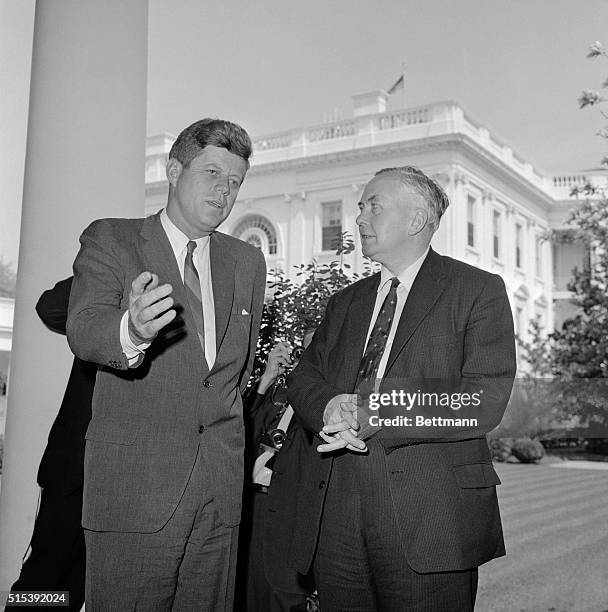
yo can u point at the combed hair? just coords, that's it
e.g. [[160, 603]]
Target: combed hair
[[435, 197], [215, 132]]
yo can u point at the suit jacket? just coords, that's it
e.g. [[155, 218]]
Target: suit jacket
[[150, 422], [61, 467], [455, 333]]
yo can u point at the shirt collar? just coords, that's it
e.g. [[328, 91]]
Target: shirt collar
[[177, 238], [406, 277]]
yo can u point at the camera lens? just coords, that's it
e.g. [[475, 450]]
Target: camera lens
[[298, 352], [278, 437]]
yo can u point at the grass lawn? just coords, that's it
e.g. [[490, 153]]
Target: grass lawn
[[556, 532]]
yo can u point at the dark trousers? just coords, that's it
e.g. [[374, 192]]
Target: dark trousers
[[57, 559], [360, 565], [256, 594], [187, 566]]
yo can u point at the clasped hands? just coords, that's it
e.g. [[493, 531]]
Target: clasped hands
[[341, 425], [150, 307]]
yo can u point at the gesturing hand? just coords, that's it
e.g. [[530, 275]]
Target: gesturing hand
[[340, 429], [147, 303]]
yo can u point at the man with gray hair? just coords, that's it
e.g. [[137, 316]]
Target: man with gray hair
[[169, 309], [408, 371]]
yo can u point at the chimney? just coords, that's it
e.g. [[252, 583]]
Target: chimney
[[370, 103]]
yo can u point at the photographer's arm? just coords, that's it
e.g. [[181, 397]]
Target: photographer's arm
[[52, 306]]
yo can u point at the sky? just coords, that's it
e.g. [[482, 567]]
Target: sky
[[515, 66]]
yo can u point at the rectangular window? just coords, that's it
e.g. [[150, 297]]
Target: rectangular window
[[538, 257], [518, 245], [496, 234], [471, 221], [332, 225]]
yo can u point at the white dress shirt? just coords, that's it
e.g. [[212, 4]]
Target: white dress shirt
[[202, 262], [406, 280]]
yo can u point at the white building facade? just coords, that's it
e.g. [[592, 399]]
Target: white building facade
[[304, 186]]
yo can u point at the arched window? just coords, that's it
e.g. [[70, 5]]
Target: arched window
[[259, 232]]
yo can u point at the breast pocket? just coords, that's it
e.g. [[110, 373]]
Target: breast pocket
[[242, 320]]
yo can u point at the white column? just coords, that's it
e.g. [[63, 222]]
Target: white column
[[457, 212], [85, 160], [16, 36]]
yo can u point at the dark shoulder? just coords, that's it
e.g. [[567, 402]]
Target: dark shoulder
[[456, 269], [240, 249], [367, 285], [114, 227]]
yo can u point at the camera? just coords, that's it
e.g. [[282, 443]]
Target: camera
[[297, 352], [272, 440]]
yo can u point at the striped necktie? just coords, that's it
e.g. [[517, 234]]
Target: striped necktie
[[368, 368], [192, 284]]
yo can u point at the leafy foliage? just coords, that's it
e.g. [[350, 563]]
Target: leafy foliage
[[576, 356], [299, 305], [527, 451]]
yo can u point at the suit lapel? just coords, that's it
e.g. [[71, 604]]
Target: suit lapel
[[160, 259], [358, 319], [223, 277], [159, 254], [428, 286]]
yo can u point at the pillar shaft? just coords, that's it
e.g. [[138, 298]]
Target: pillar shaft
[[85, 160]]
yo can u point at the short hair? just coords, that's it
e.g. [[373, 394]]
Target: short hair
[[435, 197], [215, 132]]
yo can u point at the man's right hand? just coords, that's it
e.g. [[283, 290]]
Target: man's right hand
[[340, 429], [278, 360], [150, 308]]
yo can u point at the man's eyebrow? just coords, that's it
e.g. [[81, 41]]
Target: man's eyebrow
[[212, 164]]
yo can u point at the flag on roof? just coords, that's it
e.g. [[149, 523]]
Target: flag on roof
[[399, 84]]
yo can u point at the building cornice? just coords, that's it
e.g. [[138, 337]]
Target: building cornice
[[451, 143]]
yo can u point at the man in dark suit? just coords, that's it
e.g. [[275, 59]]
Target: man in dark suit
[[404, 511], [170, 310], [57, 558]]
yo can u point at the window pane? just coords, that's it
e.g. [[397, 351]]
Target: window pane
[[518, 245], [470, 221], [332, 225], [496, 234], [331, 237]]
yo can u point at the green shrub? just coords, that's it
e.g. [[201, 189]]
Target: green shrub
[[500, 449], [526, 450]]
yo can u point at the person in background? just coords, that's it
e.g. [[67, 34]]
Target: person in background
[[274, 441], [57, 560]]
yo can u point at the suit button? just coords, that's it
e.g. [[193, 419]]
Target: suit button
[[322, 484], [201, 428], [206, 384]]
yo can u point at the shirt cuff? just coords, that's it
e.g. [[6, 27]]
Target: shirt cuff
[[133, 352]]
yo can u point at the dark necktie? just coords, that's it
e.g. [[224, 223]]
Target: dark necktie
[[368, 368], [192, 284]]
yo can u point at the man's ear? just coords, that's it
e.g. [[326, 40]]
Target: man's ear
[[174, 169], [419, 221]]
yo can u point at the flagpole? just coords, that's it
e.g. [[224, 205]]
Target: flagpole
[[403, 88]]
